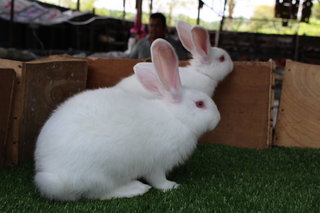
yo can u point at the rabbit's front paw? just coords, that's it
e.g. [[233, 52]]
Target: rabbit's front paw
[[166, 186], [132, 189]]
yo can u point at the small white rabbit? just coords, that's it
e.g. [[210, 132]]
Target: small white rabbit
[[207, 68], [99, 142]]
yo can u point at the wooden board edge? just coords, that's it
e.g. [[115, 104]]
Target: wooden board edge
[[271, 111], [15, 118], [276, 130], [8, 121]]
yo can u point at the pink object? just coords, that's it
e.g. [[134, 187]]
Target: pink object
[[138, 28]]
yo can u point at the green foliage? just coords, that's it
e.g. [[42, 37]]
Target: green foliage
[[87, 5], [114, 13], [216, 179], [63, 3], [263, 14], [312, 28], [262, 21], [316, 11]]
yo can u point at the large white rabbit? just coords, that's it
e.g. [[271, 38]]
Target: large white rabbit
[[208, 66], [99, 142]]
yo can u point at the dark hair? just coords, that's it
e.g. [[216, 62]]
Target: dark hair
[[159, 16]]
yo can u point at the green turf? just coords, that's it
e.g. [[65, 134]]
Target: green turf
[[216, 179]]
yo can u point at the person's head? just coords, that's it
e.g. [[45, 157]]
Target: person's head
[[157, 26]]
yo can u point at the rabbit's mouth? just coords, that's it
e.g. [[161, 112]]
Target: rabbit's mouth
[[207, 75]]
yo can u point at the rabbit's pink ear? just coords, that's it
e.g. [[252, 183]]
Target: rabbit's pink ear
[[201, 40], [166, 63], [147, 76], [184, 33]]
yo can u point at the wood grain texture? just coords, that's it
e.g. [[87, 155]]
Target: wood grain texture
[[7, 82], [298, 122], [244, 100], [16, 112], [108, 71], [46, 85], [40, 86]]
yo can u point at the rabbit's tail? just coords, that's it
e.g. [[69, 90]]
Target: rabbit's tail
[[52, 186]]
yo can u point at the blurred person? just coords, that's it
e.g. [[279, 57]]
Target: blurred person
[[157, 29]]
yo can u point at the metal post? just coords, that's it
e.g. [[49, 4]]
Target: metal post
[[78, 5], [11, 25], [223, 17], [151, 6], [139, 8], [200, 5], [296, 47], [217, 37], [198, 17], [124, 10]]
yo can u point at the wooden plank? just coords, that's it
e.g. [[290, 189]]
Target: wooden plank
[[40, 86], [108, 71], [7, 82], [298, 122], [16, 112], [46, 84], [244, 100]]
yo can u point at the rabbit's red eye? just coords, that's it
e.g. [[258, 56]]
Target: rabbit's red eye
[[200, 104], [221, 59]]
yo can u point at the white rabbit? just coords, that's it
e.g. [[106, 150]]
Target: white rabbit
[[207, 68], [99, 142], [209, 65]]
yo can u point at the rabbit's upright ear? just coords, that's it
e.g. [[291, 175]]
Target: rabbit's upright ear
[[184, 33], [166, 63], [201, 40], [148, 77]]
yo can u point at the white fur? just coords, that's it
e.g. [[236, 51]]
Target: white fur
[[203, 73], [97, 143], [205, 70], [206, 76]]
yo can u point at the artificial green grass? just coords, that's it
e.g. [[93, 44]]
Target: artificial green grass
[[216, 179]]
